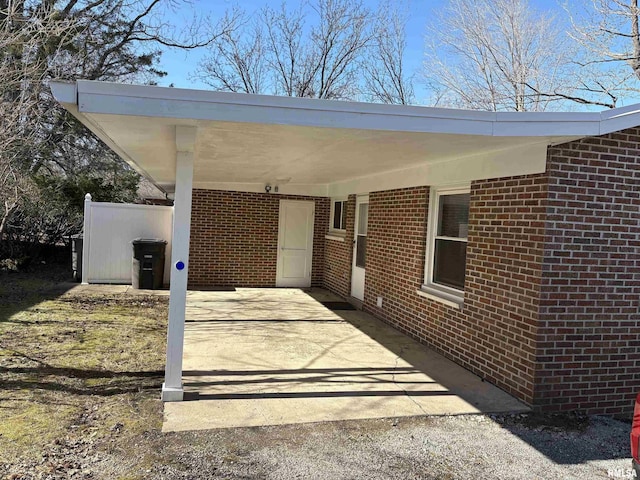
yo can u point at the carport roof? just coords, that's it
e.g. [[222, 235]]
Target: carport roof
[[321, 147]]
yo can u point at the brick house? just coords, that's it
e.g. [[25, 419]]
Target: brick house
[[508, 242]]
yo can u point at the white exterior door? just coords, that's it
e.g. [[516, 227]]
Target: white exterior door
[[360, 247], [295, 243]]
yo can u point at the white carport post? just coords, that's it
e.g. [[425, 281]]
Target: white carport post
[[172, 390]]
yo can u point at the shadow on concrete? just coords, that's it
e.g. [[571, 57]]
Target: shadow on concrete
[[219, 288], [312, 375], [262, 320], [342, 393], [283, 344], [539, 430], [341, 371]]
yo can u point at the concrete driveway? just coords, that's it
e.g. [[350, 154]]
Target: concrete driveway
[[257, 357]]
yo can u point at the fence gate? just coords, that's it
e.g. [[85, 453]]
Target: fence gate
[[109, 229]]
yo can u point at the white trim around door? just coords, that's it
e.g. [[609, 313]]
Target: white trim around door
[[359, 247], [295, 243]]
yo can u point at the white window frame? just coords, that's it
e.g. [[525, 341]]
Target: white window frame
[[448, 294], [339, 231]]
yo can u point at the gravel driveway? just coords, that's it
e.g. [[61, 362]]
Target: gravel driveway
[[464, 447], [474, 447]]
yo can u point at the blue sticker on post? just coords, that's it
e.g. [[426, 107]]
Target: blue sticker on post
[[180, 265]]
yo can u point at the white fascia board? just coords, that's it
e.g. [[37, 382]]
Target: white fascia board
[[616, 112], [619, 119], [186, 104], [540, 124], [189, 111], [192, 105], [65, 93], [209, 96]]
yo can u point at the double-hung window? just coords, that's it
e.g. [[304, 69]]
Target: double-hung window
[[447, 242], [338, 215]]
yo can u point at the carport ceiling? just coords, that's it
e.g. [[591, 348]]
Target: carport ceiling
[[232, 152]]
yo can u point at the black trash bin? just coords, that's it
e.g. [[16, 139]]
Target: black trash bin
[[147, 269], [76, 256]]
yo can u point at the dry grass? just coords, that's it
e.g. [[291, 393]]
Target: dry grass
[[76, 368]]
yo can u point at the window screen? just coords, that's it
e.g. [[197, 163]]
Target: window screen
[[339, 215], [450, 242]]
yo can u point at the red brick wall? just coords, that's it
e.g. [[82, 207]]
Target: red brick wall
[[494, 333], [338, 257], [234, 238], [589, 338], [504, 269]]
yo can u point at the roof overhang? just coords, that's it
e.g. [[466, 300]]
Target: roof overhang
[[321, 147]]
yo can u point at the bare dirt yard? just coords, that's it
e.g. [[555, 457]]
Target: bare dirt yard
[[79, 398]]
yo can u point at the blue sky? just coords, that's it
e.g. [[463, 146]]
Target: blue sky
[[180, 64]]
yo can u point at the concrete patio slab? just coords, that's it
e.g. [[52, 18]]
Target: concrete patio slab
[[257, 357]]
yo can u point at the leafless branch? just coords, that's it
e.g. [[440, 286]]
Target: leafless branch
[[385, 76], [496, 55], [556, 95], [335, 49], [68, 39], [607, 32]]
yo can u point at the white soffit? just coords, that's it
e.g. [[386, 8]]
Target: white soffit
[[321, 147]]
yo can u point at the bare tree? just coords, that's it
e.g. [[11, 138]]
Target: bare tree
[[22, 74], [44, 152], [14, 185], [342, 34], [385, 75], [609, 36], [315, 50], [237, 59], [496, 55], [288, 50]]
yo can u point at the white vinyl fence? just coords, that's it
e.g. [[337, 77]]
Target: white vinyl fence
[[109, 229]]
